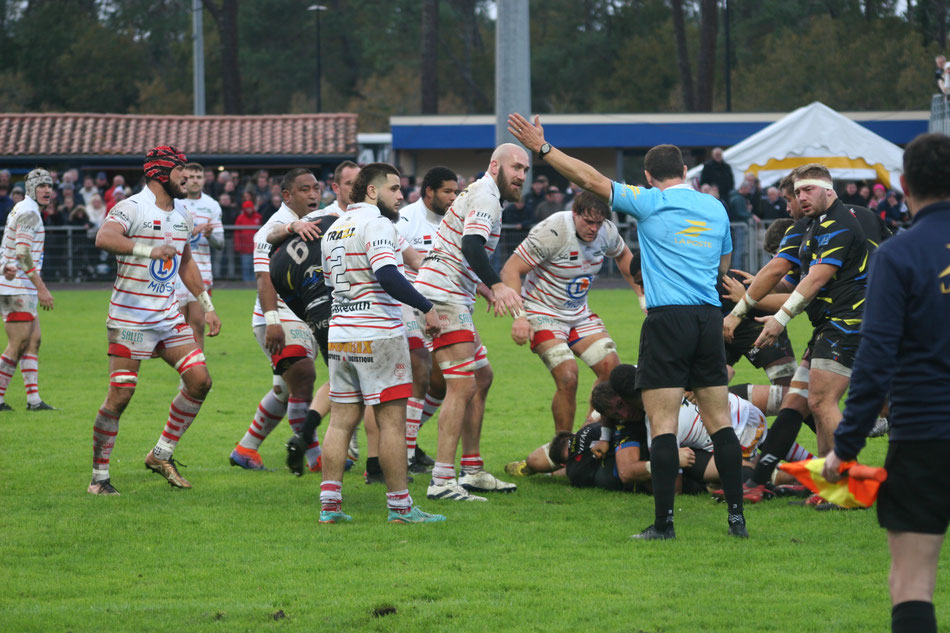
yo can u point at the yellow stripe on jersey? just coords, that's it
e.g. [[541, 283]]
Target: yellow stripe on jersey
[[827, 224]]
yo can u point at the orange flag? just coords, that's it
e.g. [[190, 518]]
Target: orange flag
[[857, 489]]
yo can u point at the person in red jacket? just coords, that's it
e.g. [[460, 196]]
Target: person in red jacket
[[244, 239]]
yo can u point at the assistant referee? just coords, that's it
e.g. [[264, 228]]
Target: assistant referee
[[685, 246], [905, 351]]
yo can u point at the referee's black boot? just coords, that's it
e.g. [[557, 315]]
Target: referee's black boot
[[652, 533], [737, 527]]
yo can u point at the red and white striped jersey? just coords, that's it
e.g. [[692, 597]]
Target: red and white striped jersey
[[357, 245], [563, 266], [262, 263], [445, 276], [691, 433], [24, 226], [143, 296], [204, 210], [418, 226]]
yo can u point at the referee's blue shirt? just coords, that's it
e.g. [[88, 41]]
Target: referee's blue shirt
[[683, 234]]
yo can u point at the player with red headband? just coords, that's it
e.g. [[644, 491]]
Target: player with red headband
[[150, 239]]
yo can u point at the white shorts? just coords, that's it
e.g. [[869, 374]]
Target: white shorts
[[545, 327], [298, 341], [371, 372], [144, 344], [753, 433], [456, 322], [18, 307], [414, 332]]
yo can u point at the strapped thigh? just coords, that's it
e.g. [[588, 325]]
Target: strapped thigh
[[598, 351], [123, 379], [464, 368], [556, 354], [195, 358]]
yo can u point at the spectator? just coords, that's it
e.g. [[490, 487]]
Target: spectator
[[88, 190], [865, 194], [102, 182], [96, 211], [17, 194], [230, 188], [772, 206], [553, 202], [715, 193], [406, 185], [740, 213], [755, 188], [118, 182], [413, 196], [851, 195], [891, 211], [209, 182], [944, 82], [941, 62], [5, 178], [6, 202], [537, 194], [518, 215], [244, 238], [118, 195], [270, 207], [880, 194], [261, 185], [229, 212], [67, 204], [79, 217], [218, 184], [717, 171]]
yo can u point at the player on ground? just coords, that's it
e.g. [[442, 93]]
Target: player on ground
[[149, 238], [561, 257], [368, 353], [418, 224], [23, 287], [459, 259], [282, 336], [208, 233]]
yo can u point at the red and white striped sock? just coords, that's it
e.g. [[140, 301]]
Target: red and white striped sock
[[429, 407], [7, 367], [30, 370], [269, 413], [472, 463], [104, 430], [442, 472], [181, 414], [413, 417], [798, 453], [399, 501], [331, 496], [297, 413]]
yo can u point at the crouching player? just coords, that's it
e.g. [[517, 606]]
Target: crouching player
[[561, 258], [368, 352], [150, 240]]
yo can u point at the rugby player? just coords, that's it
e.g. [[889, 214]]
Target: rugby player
[[459, 259], [282, 336], [418, 223], [561, 257], [150, 238], [368, 352], [24, 239], [686, 247], [208, 233]]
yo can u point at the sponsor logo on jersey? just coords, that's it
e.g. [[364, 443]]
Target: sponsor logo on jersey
[[341, 308], [352, 347], [195, 239], [692, 233], [163, 274], [573, 256], [401, 372], [427, 240], [578, 287], [157, 225]]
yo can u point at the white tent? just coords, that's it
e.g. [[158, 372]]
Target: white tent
[[815, 134]]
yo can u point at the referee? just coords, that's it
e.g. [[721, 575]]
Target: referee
[[905, 351], [685, 246]]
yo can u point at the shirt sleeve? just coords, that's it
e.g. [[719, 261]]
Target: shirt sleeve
[[876, 360], [540, 245], [379, 237], [791, 244], [727, 241], [262, 249], [615, 243], [217, 228], [482, 219], [26, 227], [632, 200], [125, 213]]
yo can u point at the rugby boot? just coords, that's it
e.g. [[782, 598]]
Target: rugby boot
[[246, 458], [737, 526], [102, 487], [40, 406], [517, 469], [296, 451], [422, 458], [652, 533], [417, 468], [5, 407], [167, 468], [450, 490], [415, 515], [331, 516], [791, 490], [484, 481], [751, 492]]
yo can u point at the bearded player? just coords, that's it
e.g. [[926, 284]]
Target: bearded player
[[22, 288], [150, 239], [561, 258], [208, 233]]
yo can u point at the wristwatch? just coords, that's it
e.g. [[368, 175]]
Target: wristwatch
[[544, 150]]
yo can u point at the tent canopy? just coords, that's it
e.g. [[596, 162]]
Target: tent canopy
[[815, 134]]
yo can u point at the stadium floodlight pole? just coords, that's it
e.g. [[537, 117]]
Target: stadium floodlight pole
[[198, 46], [728, 64], [512, 67], [318, 9]]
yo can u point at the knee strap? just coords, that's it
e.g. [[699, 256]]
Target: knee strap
[[547, 449], [124, 379], [801, 376], [554, 356], [774, 403], [281, 392], [481, 357], [784, 370], [194, 359], [598, 351], [464, 368]]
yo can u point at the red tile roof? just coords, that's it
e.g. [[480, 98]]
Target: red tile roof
[[119, 135]]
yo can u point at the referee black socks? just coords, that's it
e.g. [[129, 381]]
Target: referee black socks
[[913, 616], [728, 455], [664, 466]]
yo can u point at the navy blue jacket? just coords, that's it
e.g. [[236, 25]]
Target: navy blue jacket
[[905, 338]]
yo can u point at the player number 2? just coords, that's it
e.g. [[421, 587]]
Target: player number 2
[[337, 269]]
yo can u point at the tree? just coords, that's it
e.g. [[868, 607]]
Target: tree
[[225, 14], [429, 75], [700, 98]]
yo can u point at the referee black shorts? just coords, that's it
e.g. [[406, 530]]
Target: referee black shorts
[[682, 346], [916, 495]]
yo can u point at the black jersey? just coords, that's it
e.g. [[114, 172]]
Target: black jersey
[[837, 238], [584, 470], [790, 246], [873, 225], [296, 270]]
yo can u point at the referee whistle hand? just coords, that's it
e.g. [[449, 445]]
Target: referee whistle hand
[[274, 339], [213, 322], [832, 465]]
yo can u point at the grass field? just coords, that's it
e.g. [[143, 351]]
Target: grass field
[[242, 551]]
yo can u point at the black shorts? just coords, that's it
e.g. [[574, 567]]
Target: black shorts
[[831, 347], [682, 346], [916, 495], [319, 321], [743, 345]]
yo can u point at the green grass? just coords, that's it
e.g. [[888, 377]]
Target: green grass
[[242, 549]]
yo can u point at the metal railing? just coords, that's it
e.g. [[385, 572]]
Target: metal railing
[[71, 253], [939, 115]]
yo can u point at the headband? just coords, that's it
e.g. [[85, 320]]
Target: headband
[[814, 182], [161, 160]]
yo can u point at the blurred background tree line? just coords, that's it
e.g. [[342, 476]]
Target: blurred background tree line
[[401, 57]]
